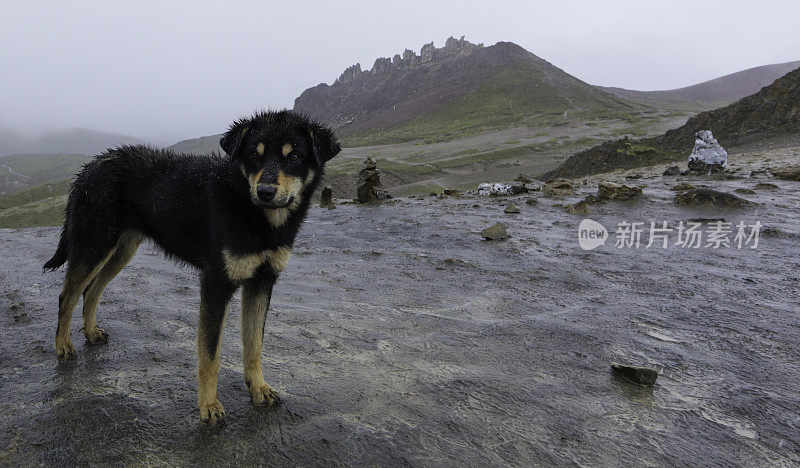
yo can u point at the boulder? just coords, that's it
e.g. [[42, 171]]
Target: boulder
[[369, 188], [495, 232], [511, 209], [791, 172], [640, 375], [326, 197], [557, 188], [612, 191], [578, 208], [708, 156], [704, 196]]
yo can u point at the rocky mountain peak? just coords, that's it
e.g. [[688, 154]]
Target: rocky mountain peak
[[409, 59]]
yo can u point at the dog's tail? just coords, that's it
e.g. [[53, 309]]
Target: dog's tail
[[60, 257]]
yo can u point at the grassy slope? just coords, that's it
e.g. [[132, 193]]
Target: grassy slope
[[42, 205], [37, 169]]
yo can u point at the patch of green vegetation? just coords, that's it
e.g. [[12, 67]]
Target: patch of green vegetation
[[40, 192], [513, 142], [636, 149], [35, 169], [47, 212]]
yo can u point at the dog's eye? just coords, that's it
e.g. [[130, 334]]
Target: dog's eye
[[294, 157]]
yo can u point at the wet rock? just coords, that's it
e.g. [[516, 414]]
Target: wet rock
[[708, 156], [787, 172], [704, 196], [633, 177], [452, 193], [683, 186], [369, 188], [745, 191], [511, 209], [495, 232], [612, 191], [761, 173], [579, 208], [766, 186], [494, 189], [531, 201], [593, 200], [523, 179], [673, 171], [557, 188], [640, 375], [326, 197]]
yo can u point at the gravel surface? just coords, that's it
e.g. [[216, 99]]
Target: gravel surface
[[399, 337]]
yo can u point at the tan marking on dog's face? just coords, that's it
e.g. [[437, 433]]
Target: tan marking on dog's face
[[260, 149], [286, 149], [310, 177]]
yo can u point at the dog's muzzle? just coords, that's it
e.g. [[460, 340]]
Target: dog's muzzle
[[266, 195]]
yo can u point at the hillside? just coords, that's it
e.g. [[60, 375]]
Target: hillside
[[20, 171], [459, 89], [772, 112], [74, 140], [710, 94]]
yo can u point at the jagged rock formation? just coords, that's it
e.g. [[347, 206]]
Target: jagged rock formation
[[395, 91], [772, 112]]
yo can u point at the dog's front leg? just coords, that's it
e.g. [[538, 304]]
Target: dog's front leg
[[215, 292], [256, 294]]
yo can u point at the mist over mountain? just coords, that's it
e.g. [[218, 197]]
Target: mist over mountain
[[70, 141]]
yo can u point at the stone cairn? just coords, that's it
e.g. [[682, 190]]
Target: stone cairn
[[369, 188], [708, 156]]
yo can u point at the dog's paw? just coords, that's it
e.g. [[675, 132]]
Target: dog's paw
[[96, 336], [65, 351], [212, 413], [263, 394]]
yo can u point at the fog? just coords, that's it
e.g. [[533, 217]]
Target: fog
[[173, 70]]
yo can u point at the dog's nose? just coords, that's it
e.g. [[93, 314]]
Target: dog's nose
[[266, 192]]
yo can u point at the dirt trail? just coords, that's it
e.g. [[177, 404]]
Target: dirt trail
[[398, 337]]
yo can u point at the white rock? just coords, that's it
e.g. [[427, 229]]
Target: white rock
[[708, 150], [494, 188]]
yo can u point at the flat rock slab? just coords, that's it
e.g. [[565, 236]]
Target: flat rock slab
[[704, 196], [640, 375]]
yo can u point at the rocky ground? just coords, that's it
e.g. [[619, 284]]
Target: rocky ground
[[399, 337]]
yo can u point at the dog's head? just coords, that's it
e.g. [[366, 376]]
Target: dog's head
[[281, 155]]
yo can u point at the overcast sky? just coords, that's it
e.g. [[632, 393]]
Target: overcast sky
[[179, 69]]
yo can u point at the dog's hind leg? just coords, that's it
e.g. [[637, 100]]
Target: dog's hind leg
[[256, 294], [215, 292], [79, 274], [126, 248]]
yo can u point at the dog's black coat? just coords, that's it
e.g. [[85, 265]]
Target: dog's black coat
[[196, 207]]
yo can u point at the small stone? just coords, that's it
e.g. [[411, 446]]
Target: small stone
[[745, 191], [759, 174], [612, 191], [452, 193], [633, 177], [579, 208], [593, 200], [640, 375], [495, 232], [557, 188], [523, 179], [531, 201], [683, 186], [791, 172], [703, 196], [766, 186], [673, 171], [511, 209]]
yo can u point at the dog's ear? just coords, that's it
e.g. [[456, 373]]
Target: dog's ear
[[323, 143], [232, 140]]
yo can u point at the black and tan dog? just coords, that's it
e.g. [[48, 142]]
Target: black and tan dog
[[234, 217]]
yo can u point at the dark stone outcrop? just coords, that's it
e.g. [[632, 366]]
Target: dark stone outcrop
[[369, 188]]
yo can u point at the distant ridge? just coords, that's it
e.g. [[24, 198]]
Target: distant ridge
[[69, 141], [717, 92], [774, 111]]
